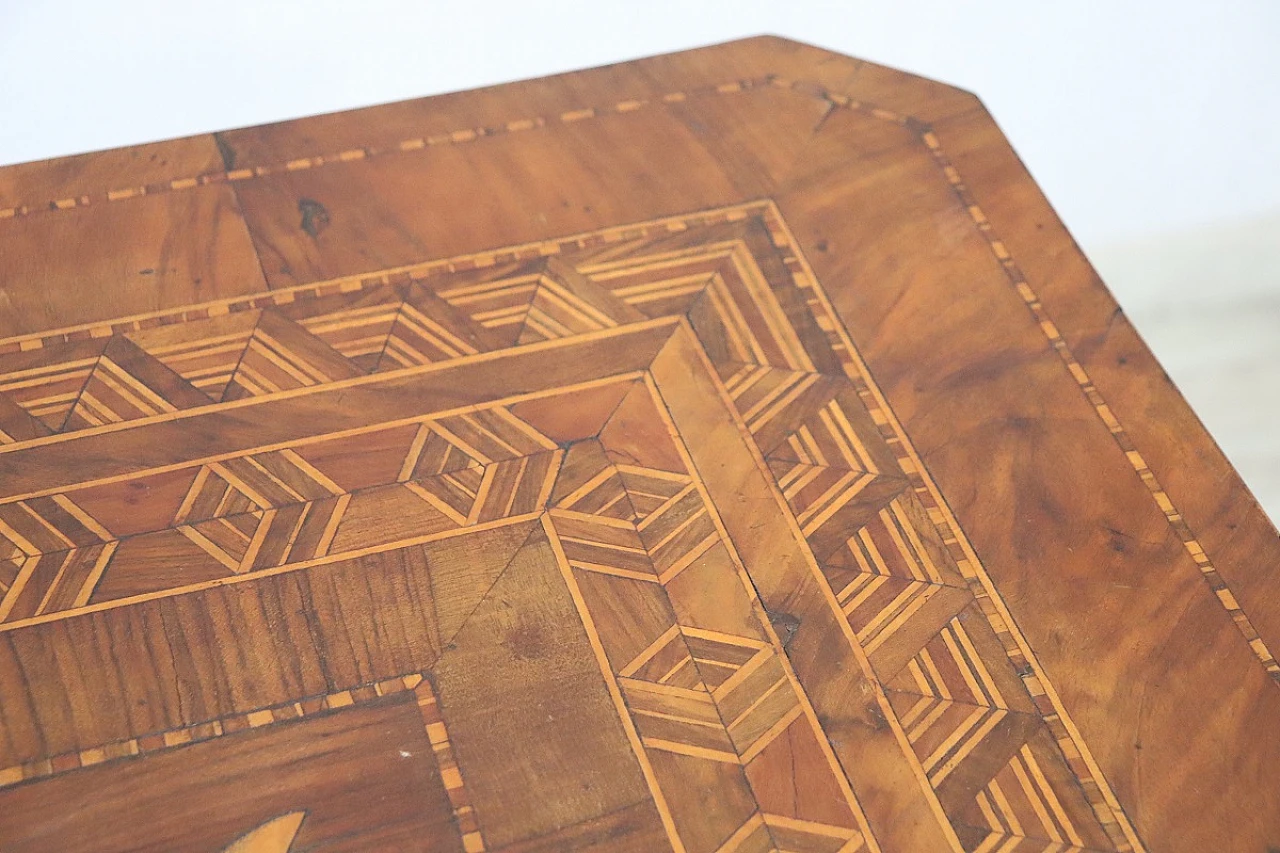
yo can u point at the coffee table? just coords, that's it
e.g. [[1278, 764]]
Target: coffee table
[[723, 451]]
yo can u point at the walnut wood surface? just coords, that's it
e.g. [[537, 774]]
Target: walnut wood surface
[[724, 451]]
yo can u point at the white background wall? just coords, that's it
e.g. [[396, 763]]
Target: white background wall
[[1153, 127]]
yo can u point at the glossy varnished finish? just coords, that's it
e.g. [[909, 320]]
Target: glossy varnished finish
[[722, 451]]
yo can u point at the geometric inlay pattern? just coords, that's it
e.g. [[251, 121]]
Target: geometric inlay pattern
[[687, 385]]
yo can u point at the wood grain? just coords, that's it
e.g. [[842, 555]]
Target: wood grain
[[720, 451], [368, 775]]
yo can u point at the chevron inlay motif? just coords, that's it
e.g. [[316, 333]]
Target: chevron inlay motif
[[460, 428], [702, 701], [266, 509]]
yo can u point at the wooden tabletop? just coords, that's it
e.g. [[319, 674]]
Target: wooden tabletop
[[724, 451]]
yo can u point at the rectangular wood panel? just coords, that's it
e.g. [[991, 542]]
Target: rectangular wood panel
[[360, 779]]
